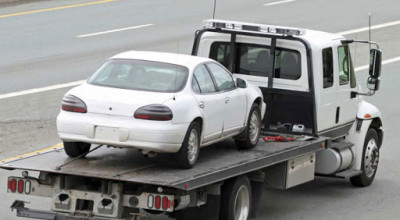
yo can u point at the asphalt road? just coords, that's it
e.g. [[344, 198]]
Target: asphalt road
[[44, 43]]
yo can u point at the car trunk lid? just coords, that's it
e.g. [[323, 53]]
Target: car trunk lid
[[115, 101]]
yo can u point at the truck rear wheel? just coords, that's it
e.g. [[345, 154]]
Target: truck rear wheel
[[369, 164], [252, 132], [75, 149], [189, 152], [236, 199]]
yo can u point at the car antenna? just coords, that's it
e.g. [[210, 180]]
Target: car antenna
[[369, 29], [176, 69], [215, 6]]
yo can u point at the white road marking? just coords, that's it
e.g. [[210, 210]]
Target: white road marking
[[384, 62], [42, 89], [367, 28], [280, 2], [112, 31]]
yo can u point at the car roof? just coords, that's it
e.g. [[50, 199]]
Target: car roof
[[173, 58]]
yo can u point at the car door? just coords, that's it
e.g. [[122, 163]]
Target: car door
[[235, 99], [211, 103]]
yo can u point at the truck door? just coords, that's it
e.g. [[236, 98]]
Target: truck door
[[327, 97], [347, 104], [210, 103]]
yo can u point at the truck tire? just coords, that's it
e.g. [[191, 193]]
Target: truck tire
[[251, 134], [236, 199], [369, 164], [76, 149], [189, 151]]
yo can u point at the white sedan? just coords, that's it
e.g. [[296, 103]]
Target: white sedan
[[160, 102]]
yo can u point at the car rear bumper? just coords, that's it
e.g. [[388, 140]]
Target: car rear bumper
[[120, 131]]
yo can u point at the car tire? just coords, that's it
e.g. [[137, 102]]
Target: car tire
[[236, 199], [76, 149], [253, 129], [189, 151], [369, 164]]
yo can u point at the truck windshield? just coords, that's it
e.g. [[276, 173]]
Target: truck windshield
[[140, 75]]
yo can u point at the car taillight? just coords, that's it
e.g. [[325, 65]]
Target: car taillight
[[71, 103], [155, 112]]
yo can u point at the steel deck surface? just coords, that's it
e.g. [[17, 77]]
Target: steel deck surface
[[215, 163]]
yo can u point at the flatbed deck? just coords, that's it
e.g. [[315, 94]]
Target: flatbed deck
[[216, 163]]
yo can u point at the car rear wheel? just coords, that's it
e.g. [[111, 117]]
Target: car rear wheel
[[252, 131], [76, 149], [189, 152]]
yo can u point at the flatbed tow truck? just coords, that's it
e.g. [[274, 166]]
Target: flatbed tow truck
[[227, 183]]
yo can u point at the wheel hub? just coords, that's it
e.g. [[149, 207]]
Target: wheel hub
[[193, 145], [242, 204], [254, 127], [371, 158]]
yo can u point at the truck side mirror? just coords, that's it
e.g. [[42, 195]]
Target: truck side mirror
[[373, 83], [241, 83], [375, 63]]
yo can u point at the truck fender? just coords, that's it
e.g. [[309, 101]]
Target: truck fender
[[367, 110]]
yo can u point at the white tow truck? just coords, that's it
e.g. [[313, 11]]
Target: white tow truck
[[314, 105]]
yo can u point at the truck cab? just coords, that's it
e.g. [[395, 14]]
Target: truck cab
[[307, 76]]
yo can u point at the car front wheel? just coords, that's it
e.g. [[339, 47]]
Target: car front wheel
[[252, 132], [189, 152], [76, 149]]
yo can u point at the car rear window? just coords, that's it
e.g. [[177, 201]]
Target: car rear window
[[140, 75]]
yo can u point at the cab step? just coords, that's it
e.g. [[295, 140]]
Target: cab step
[[348, 173]]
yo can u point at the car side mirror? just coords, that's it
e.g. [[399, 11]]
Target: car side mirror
[[241, 83], [373, 83], [375, 63]]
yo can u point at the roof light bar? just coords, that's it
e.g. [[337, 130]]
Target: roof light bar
[[252, 27]]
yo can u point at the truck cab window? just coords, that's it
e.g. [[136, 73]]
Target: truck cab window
[[220, 51], [327, 62], [346, 69], [256, 60], [287, 64]]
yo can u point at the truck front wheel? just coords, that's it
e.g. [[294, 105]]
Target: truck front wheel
[[76, 149], [236, 199], [370, 160]]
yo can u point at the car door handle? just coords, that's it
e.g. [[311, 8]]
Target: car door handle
[[201, 104], [227, 99]]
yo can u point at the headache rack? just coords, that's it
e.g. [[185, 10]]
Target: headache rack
[[252, 27]]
